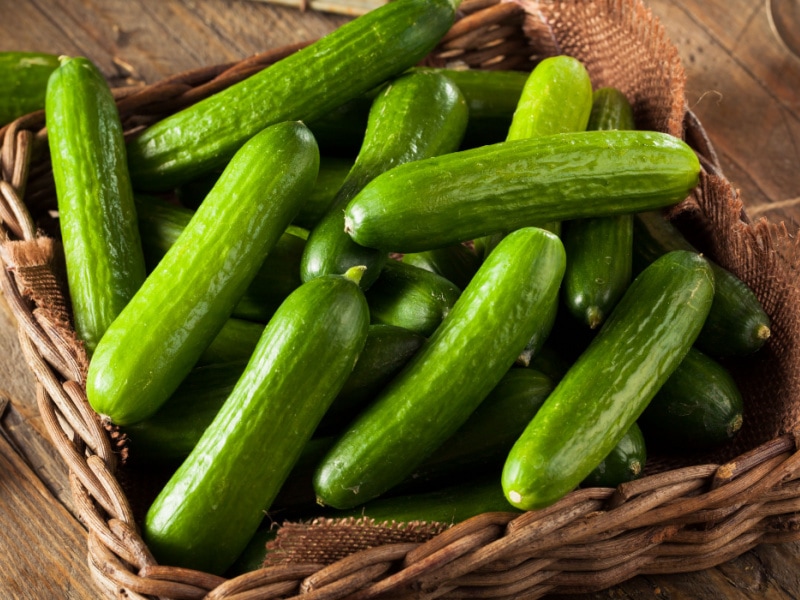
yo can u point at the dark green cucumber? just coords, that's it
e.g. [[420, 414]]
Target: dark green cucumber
[[254, 554], [471, 193], [415, 116], [737, 324], [454, 370], [604, 392], [456, 263], [599, 265], [160, 224], [235, 341], [215, 501], [550, 362], [185, 301], [698, 408], [412, 298], [625, 462], [97, 216], [305, 85], [23, 79]]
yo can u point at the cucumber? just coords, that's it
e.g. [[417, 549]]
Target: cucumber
[[471, 193], [254, 554], [456, 263], [235, 341], [604, 392], [550, 362], [97, 216], [412, 298], [23, 78], [415, 116], [160, 224], [305, 85], [625, 462], [737, 324], [599, 267], [454, 370], [214, 503], [698, 408], [185, 301]]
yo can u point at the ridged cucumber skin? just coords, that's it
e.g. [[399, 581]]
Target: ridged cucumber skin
[[471, 193], [604, 392], [160, 224], [737, 324], [23, 78], [412, 298], [698, 408], [599, 267], [624, 463], [97, 216], [185, 301], [450, 375], [305, 85], [215, 501], [456, 263], [415, 116]]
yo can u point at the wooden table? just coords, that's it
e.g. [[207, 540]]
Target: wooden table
[[742, 83]]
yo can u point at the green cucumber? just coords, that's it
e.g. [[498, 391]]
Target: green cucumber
[[454, 370], [471, 193], [412, 298], [604, 392], [737, 324], [599, 265], [160, 224], [550, 362], [23, 79], [208, 511], [185, 301], [97, 216], [235, 341], [625, 462], [698, 408], [254, 554], [415, 116], [305, 85], [456, 263]]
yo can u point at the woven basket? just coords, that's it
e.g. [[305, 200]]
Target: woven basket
[[687, 516]]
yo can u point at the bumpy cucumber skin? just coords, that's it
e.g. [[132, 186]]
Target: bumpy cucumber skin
[[305, 85], [456, 263], [472, 193], [23, 79], [599, 268], [97, 216], [737, 324], [213, 504], [416, 116], [186, 300], [447, 379], [604, 392], [624, 463], [698, 408], [412, 298]]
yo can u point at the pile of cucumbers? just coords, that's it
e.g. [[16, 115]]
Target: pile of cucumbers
[[480, 309]]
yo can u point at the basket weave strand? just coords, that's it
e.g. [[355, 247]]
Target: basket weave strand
[[678, 520]]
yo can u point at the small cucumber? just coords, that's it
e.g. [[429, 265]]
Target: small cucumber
[[235, 341], [23, 79], [305, 85], [160, 224], [599, 265], [604, 392], [412, 298], [214, 503], [737, 324], [625, 462], [254, 554], [456, 263], [415, 116], [471, 193], [97, 216], [698, 408], [185, 301], [452, 373]]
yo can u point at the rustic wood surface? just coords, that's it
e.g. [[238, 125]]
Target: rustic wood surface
[[742, 83]]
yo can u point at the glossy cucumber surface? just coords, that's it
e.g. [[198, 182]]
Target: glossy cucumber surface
[[23, 78], [604, 392], [185, 301], [97, 216], [452, 373]]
